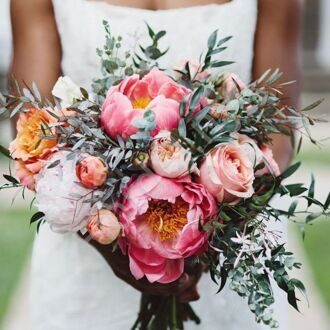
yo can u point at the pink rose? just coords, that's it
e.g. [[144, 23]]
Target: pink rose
[[103, 226], [195, 68], [228, 88], [168, 158], [161, 220], [271, 165], [250, 147], [130, 99], [92, 172], [227, 172]]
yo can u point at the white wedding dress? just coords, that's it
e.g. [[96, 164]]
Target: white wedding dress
[[73, 288]]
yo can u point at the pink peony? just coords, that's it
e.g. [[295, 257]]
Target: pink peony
[[168, 158], [271, 165], [103, 226], [227, 172], [161, 220], [130, 99], [92, 172], [228, 88]]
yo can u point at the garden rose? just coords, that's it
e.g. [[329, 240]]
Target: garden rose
[[161, 217], [250, 147], [103, 226], [130, 99], [169, 158], [195, 69], [271, 165], [227, 172], [92, 171], [57, 195], [67, 91], [228, 88], [27, 143]]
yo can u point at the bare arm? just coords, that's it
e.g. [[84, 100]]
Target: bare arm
[[36, 44], [278, 45]]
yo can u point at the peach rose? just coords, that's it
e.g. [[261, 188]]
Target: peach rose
[[228, 88], [27, 144], [168, 158], [227, 172], [103, 226], [92, 172]]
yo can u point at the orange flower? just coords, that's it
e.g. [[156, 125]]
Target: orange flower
[[28, 143]]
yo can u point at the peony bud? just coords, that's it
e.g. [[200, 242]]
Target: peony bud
[[142, 159], [103, 226], [92, 172]]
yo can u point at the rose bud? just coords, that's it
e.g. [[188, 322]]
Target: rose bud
[[92, 172], [218, 111], [142, 159], [103, 226], [168, 158]]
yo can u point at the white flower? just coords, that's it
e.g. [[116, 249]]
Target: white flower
[[168, 158], [67, 91], [60, 196]]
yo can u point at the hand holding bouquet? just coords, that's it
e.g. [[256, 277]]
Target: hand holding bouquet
[[169, 169]]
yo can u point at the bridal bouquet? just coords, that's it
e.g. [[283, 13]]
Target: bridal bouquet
[[171, 167]]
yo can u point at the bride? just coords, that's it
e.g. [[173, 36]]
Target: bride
[[74, 286]]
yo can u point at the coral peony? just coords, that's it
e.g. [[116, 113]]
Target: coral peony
[[168, 158], [130, 99], [161, 220], [227, 172], [27, 143], [61, 198], [103, 226], [92, 171]]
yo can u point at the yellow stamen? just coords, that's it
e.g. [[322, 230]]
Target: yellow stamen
[[141, 103], [167, 219]]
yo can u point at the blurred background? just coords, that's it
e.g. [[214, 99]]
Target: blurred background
[[16, 236]]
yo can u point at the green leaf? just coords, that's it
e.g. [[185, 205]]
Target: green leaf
[[36, 217], [195, 99], [212, 39], [5, 152], [159, 35], [182, 128], [218, 64], [11, 179], [293, 207], [311, 217], [150, 31], [327, 202], [292, 169], [313, 105], [223, 41], [311, 190], [16, 110]]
